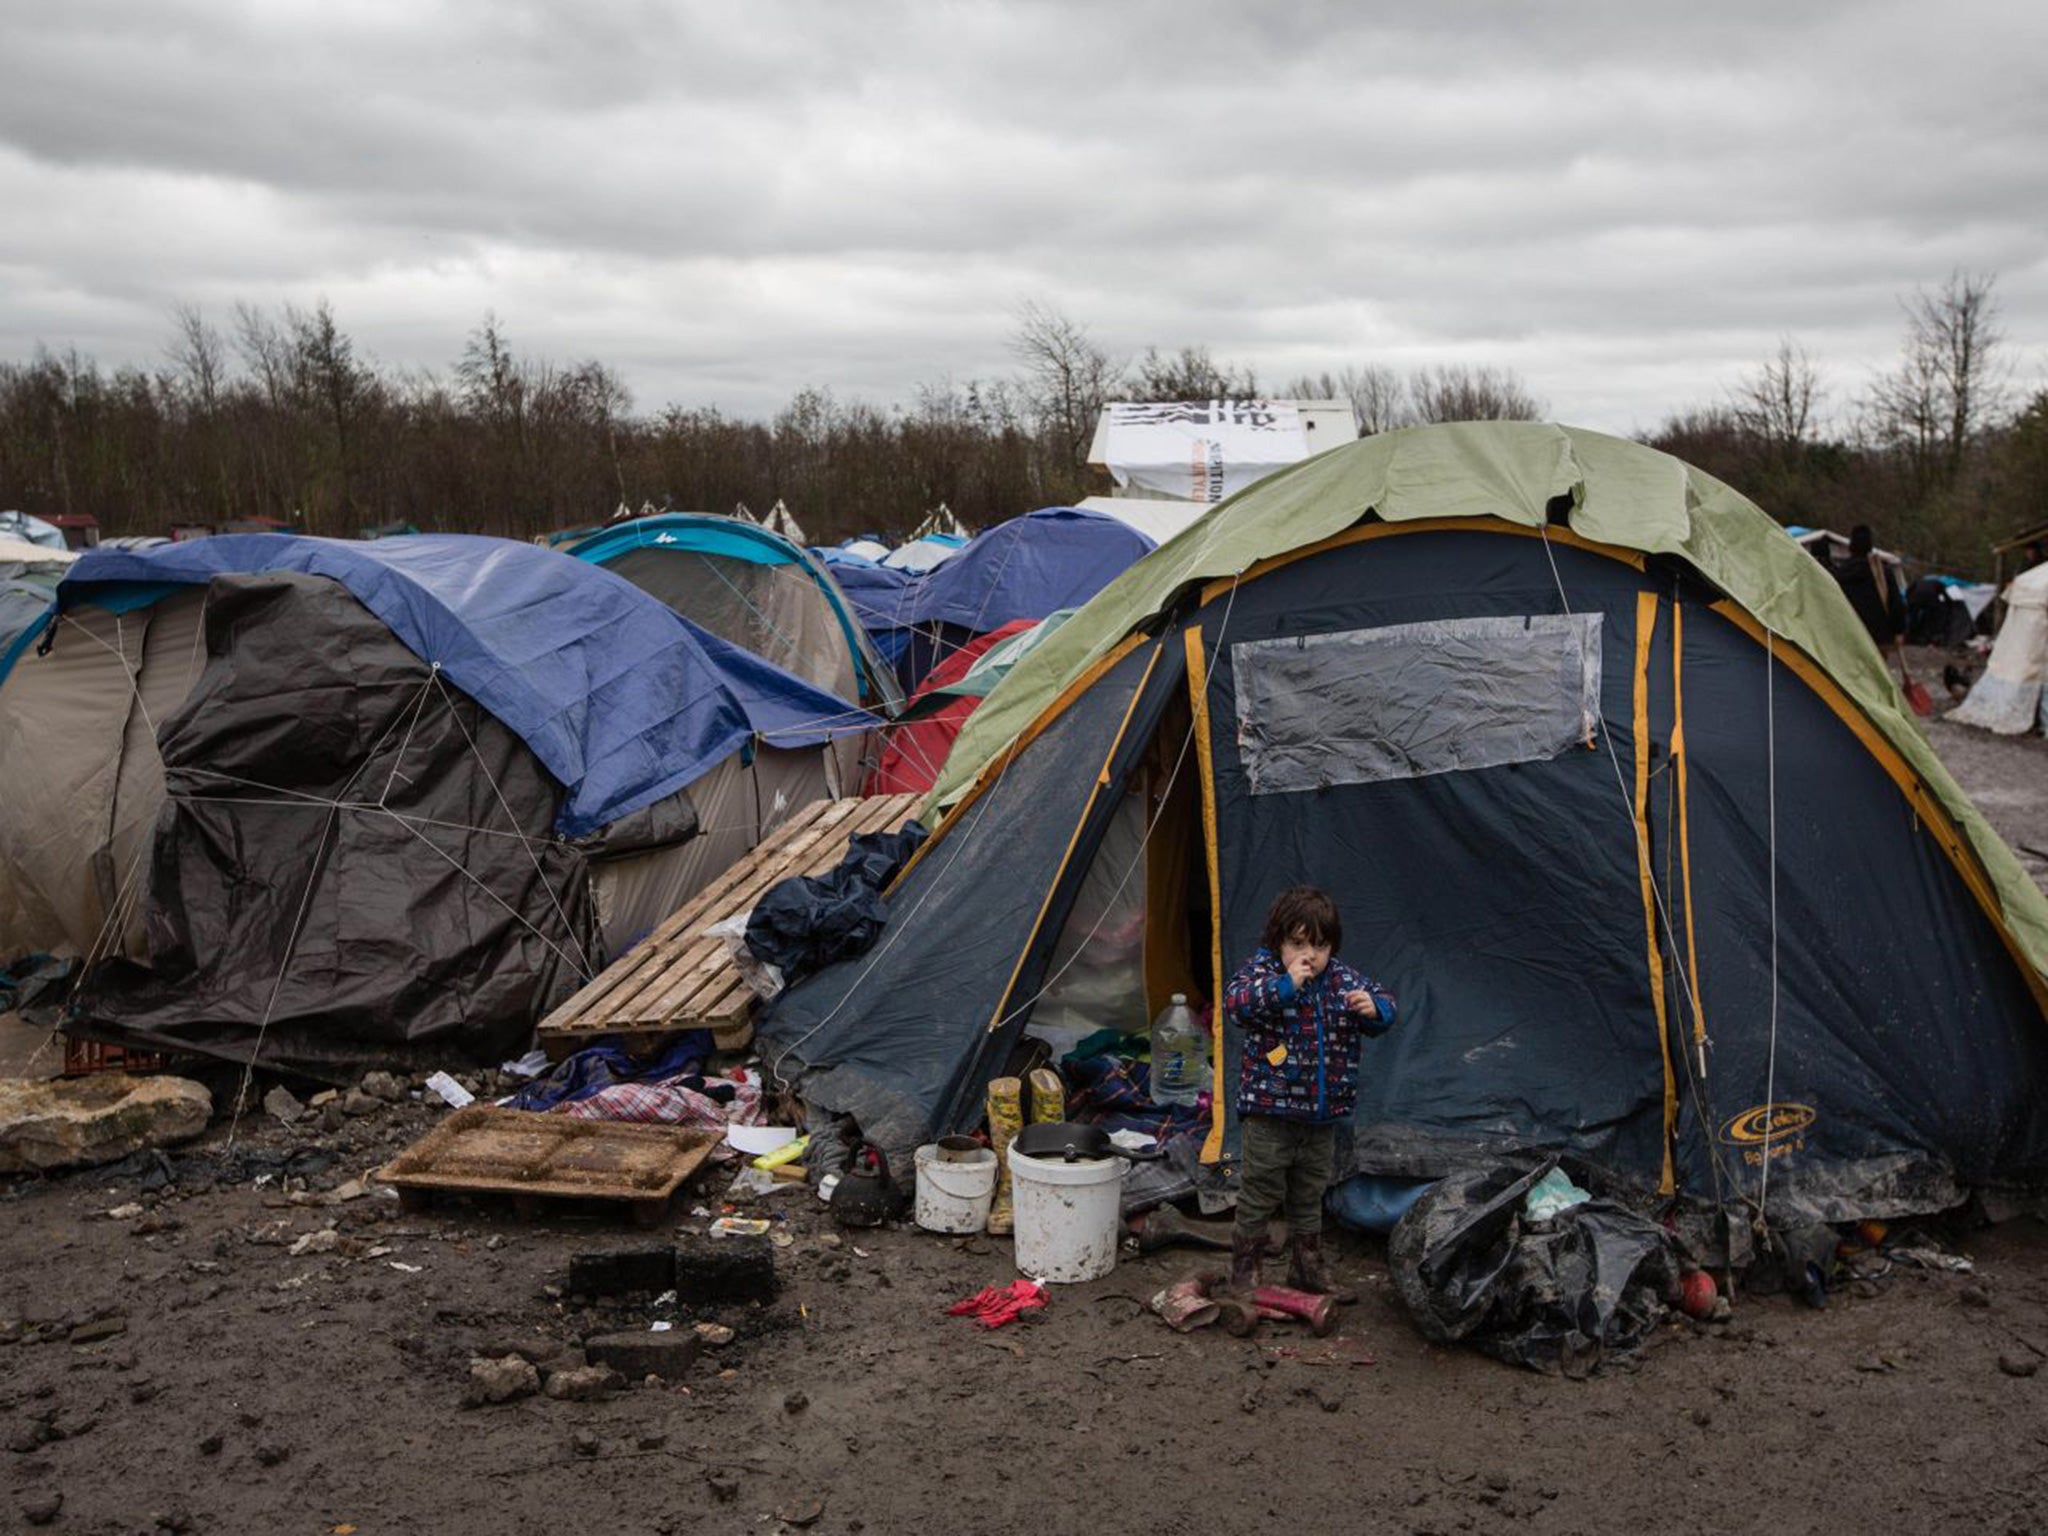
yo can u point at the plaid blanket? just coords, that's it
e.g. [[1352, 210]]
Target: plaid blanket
[[1115, 1092], [605, 1064], [670, 1103]]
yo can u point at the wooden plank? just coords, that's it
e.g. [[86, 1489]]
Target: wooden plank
[[816, 847], [678, 923], [677, 978]]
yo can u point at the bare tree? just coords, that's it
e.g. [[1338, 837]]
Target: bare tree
[[1067, 377], [1951, 382], [1456, 392], [266, 350], [1191, 374], [200, 357], [1777, 404], [1377, 395]]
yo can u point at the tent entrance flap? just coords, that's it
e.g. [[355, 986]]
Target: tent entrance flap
[[1119, 765]]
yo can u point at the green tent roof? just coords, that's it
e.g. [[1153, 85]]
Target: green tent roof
[[1622, 494]]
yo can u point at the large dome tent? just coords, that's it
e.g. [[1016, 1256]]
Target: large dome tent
[[756, 588], [1608, 781]]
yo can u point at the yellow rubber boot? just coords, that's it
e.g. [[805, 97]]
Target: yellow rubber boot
[[1005, 1120], [1048, 1097]]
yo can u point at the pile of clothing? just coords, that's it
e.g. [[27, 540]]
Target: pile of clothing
[[604, 1082]]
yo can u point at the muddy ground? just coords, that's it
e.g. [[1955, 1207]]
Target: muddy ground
[[176, 1367]]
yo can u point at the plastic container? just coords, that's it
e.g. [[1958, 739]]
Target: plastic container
[[1180, 1054], [1068, 1216], [954, 1187]]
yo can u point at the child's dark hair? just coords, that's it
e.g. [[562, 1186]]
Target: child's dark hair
[[1303, 910]]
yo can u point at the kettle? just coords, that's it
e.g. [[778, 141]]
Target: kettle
[[866, 1195]]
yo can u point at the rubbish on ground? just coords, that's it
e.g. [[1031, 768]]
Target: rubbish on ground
[[827, 1186], [750, 1183], [714, 1335], [452, 1093], [1164, 1226], [1931, 1258], [1185, 1306], [487, 1150], [1697, 1297], [992, 1306], [1552, 1193], [739, 1226], [1285, 1303], [786, 1153], [1588, 1286], [532, 1064], [754, 1140]]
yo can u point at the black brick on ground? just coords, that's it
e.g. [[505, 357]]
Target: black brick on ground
[[725, 1269]]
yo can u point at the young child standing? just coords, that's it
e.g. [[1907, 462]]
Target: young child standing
[[1304, 1014]]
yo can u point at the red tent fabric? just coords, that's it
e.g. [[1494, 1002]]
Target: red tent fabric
[[915, 750]]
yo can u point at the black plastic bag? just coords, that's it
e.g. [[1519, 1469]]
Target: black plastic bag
[[1563, 1295], [806, 922]]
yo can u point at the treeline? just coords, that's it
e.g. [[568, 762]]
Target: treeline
[[280, 415], [1940, 455]]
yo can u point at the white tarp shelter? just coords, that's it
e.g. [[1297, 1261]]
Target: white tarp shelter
[[2008, 698], [1205, 450]]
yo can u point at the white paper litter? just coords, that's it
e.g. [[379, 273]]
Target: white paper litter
[[452, 1093], [756, 1140]]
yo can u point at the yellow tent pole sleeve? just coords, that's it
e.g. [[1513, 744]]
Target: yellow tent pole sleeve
[[1646, 632], [1198, 691], [1692, 952]]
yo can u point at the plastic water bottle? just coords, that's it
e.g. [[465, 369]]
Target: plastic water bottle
[[1180, 1054]]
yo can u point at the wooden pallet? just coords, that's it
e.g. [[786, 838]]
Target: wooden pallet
[[676, 978], [541, 1162]]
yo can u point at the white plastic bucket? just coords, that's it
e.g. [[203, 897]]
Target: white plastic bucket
[[954, 1188], [1068, 1216]]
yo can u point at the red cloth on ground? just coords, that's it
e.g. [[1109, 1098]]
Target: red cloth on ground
[[993, 1306]]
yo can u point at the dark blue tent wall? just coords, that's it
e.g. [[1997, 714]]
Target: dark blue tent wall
[[1506, 907]]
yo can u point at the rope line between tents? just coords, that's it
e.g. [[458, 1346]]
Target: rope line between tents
[[584, 969]]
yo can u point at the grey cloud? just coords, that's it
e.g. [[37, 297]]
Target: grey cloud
[[730, 201]]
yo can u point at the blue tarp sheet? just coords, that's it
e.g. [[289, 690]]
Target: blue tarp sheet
[[621, 699]]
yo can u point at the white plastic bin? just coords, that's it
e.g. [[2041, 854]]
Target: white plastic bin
[[1068, 1216], [954, 1188]]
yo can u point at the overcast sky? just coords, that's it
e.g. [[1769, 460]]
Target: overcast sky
[[1626, 203]]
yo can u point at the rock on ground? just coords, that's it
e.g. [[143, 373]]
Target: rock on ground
[[86, 1121]]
